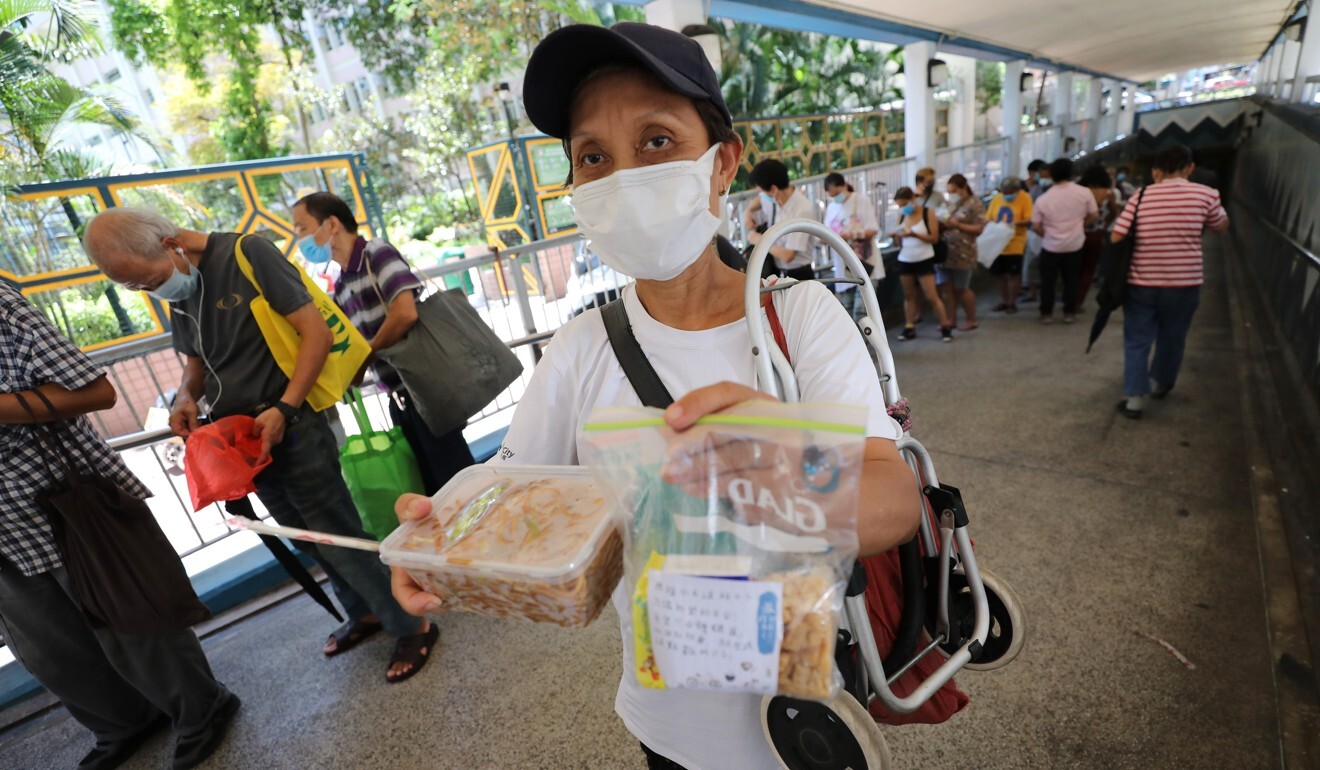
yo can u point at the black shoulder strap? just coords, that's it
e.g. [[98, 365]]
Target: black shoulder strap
[[632, 358]]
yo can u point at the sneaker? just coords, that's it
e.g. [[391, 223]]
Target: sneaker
[[1047, 319], [909, 333], [1131, 414], [946, 333], [1069, 319], [194, 750]]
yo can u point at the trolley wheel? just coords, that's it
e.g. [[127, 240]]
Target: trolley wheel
[[1004, 640], [838, 734]]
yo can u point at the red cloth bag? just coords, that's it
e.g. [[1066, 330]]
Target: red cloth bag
[[884, 604], [220, 460]]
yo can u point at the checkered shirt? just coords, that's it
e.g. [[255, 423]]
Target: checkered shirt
[[34, 353]]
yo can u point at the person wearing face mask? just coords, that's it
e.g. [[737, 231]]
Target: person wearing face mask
[[928, 195], [779, 200], [653, 152], [852, 215], [1061, 218], [123, 687], [965, 221], [227, 361], [378, 292], [1012, 207], [918, 230], [1038, 181]]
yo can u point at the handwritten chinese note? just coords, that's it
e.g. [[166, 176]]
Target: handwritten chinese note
[[716, 634]]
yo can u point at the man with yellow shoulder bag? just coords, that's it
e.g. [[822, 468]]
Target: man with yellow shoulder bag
[[259, 338]]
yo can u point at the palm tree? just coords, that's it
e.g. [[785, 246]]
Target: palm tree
[[39, 110]]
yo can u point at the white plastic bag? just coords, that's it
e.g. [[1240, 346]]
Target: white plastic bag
[[992, 241], [738, 536]]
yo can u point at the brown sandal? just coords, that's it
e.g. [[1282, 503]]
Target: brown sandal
[[351, 634], [409, 649]]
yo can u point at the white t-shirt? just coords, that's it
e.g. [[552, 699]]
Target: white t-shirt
[[698, 730], [797, 207]]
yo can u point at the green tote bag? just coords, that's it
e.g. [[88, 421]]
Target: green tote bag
[[378, 467]]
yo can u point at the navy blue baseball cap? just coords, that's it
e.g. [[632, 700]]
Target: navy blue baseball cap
[[566, 56]]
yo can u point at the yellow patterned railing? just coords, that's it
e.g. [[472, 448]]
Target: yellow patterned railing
[[520, 183], [41, 229]]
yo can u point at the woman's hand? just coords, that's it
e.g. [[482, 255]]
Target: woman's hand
[[684, 413], [410, 596], [698, 453]]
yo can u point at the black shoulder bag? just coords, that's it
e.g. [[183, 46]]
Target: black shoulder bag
[[1118, 263], [636, 367], [122, 568]]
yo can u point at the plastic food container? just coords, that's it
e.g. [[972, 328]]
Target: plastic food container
[[531, 542]]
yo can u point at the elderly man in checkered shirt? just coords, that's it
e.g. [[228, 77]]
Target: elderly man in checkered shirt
[[122, 687]]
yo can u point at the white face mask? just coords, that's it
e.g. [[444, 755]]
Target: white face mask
[[653, 222]]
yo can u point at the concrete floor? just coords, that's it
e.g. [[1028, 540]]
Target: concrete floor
[[1107, 528]]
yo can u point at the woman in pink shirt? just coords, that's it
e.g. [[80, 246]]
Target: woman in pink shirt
[[1060, 218]]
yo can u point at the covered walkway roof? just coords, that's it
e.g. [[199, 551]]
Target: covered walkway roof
[[1132, 40]]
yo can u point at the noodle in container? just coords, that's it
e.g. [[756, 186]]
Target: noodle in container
[[531, 542]]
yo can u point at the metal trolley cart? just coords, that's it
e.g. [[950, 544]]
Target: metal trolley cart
[[951, 606]]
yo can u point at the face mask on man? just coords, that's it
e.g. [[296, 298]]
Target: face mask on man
[[767, 202], [315, 253], [652, 222], [1046, 182], [179, 286]]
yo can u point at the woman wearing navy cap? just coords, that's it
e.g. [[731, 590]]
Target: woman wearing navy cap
[[653, 152]]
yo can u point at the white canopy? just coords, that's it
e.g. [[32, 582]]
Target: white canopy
[[1133, 39]]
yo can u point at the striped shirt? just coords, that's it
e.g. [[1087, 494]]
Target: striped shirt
[[34, 353], [1174, 213], [365, 295]]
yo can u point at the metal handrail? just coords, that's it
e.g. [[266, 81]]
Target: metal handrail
[[1296, 244], [738, 197], [158, 342]]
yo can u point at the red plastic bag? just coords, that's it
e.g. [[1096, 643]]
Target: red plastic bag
[[220, 461], [884, 604]]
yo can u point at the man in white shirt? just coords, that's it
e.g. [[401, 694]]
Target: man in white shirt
[[780, 200]]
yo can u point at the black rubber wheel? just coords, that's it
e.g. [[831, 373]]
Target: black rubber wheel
[[1004, 639], [810, 735]]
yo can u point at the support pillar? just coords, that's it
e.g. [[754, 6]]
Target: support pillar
[[1095, 108], [1062, 114], [1308, 57], [1012, 108], [962, 115], [918, 103], [677, 14], [1127, 115], [1276, 67]]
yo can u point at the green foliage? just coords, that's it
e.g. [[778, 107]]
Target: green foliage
[[989, 85], [770, 72], [194, 33], [87, 314], [37, 108]]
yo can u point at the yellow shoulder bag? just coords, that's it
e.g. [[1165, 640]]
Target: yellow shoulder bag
[[347, 354]]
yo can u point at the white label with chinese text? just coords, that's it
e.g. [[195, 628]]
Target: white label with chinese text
[[716, 634]]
